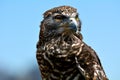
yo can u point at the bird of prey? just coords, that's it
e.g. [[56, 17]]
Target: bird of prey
[[61, 52]]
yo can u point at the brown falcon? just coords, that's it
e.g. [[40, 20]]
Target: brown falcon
[[61, 52]]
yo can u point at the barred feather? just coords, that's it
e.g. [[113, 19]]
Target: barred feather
[[64, 56]]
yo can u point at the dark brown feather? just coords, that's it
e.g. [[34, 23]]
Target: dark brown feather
[[65, 56]]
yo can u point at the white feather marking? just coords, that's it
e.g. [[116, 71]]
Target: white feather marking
[[48, 60], [54, 77], [80, 50], [58, 50], [76, 77], [79, 67]]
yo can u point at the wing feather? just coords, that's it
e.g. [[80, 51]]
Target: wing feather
[[89, 64]]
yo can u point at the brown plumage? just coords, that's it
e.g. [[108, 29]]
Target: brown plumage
[[61, 53]]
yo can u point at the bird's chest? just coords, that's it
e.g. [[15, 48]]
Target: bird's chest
[[59, 53], [60, 48], [59, 58], [60, 68]]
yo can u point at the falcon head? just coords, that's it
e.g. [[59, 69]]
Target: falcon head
[[60, 20]]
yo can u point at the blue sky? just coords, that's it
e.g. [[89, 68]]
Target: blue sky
[[19, 29]]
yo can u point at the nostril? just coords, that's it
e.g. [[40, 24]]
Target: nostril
[[71, 20]]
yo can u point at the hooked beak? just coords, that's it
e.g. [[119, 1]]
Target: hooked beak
[[70, 24], [73, 24]]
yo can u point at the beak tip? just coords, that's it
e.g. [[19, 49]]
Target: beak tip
[[73, 27]]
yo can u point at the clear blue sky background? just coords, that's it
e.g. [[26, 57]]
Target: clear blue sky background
[[19, 29]]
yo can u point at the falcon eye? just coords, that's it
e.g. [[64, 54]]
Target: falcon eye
[[60, 17]]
